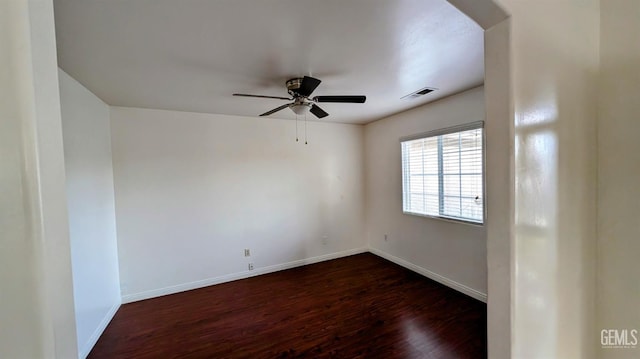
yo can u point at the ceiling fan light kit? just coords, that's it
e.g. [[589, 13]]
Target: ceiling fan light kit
[[300, 107], [300, 89]]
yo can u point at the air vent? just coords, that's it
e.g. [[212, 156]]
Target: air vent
[[419, 93]]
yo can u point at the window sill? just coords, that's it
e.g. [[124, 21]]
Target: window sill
[[446, 219]]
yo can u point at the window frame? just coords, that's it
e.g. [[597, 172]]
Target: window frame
[[441, 132]]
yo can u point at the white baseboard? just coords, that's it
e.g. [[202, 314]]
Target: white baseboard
[[86, 348], [278, 267], [235, 276], [431, 275]]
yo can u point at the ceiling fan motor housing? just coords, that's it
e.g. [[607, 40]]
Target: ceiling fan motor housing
[[293, 85]]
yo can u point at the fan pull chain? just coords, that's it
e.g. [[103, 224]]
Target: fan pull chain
[[305, 128], [296, 127]]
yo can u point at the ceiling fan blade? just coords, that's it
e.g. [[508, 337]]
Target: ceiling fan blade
[[308, 85], [276, 110], [261, 96], [318, 112], [342, 99]]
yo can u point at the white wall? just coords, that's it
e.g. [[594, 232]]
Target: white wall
[[500, 190], [90, 198], [194, 190], [36, 315], [451, 252], [554, 60], [619, 171], [21, 330]]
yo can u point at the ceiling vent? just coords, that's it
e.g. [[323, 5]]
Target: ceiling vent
[[419, 93]]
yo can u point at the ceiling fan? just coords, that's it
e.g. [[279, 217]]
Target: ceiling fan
[[300, 88]]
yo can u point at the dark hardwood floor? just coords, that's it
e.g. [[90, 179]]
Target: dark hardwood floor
[[355, 307]]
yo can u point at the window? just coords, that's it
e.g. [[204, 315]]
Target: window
[[442, 174]]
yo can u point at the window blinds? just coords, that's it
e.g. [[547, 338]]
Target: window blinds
[[442, 175]]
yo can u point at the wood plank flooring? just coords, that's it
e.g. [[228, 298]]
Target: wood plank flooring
[[360, 306]]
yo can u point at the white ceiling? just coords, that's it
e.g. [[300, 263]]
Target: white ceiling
[[191, 55]]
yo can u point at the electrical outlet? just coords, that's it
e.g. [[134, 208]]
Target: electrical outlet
[[247, 253], [250, 266], [386, 237], [325, 239]]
